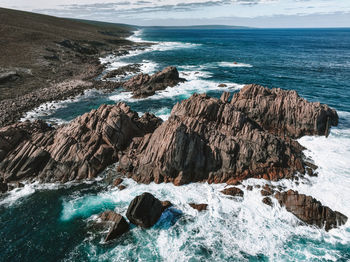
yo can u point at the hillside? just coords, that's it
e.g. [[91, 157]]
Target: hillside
[[37, 50]]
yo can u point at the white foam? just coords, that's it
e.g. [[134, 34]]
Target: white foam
[[181, 91], [230, 227], [233, 64], [45, 110], [148, 67]]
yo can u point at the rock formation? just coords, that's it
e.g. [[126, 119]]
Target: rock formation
[[78, 150], [208, 139], [309, 210], [283, 112], [145, 210], [199, 207], [119, 224], [233, 191], [144, 85]]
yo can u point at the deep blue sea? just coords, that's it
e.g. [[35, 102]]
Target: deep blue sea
[[55, 223]]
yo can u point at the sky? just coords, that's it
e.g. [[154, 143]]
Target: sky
[[253, 13]]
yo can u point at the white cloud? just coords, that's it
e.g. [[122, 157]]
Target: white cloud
[[136, 11]]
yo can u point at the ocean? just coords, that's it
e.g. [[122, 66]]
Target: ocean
[[52, 222]]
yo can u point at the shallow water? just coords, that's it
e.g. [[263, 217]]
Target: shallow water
[[55, 223]]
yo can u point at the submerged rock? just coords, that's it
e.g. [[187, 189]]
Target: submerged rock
[[233, 191], [199, 207], [79, 150], [309, 210], [144, 85], [207, 139], [267, 201], [144, 210], [119, 226], [283, 112], [123, 71]]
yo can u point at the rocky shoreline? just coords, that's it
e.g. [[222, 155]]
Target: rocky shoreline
[[204, 140], [37, 66]]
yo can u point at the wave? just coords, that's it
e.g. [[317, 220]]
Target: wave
[[181, 91], [229, 229], [46, 111], [233, 64]]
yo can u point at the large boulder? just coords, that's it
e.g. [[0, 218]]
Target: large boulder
[[144, 85], [309, 210], [208, 139], [78, 150], [119, 224], [284, 112], [144, 210]]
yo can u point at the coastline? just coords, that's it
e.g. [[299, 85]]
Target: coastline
[[232, 227], [63, 70]]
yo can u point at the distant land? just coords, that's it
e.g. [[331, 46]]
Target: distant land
[[199, 27]]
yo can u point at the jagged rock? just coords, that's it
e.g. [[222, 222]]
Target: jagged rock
[[207, 139], [283, 112], [309, 210], [233, 191], [199, 207], [267, 201], [144, 85], [118, 181], [121, 187], [3, 186], [119, 224], [267, 190], [78, 150], [144, 210]]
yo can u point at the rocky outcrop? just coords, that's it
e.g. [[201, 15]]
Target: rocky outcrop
[[199, 207], [144, 85], [208, 139], [119, 224], [78, 150], [283, 112], [8, 76], [144, 210], [123, 71], [309, 210], [233, 191]]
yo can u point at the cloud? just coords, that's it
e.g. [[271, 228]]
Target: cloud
[[177, 10]]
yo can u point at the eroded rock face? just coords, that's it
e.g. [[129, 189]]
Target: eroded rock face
[[144, 85], [145, 210], [207, 139], [78, 150], [283, 112], [309, 210], [119, 224]]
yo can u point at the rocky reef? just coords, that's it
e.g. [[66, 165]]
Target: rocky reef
[[144, 85], [207, 139]]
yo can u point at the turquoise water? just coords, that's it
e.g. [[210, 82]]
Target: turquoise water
[[55, 223]]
